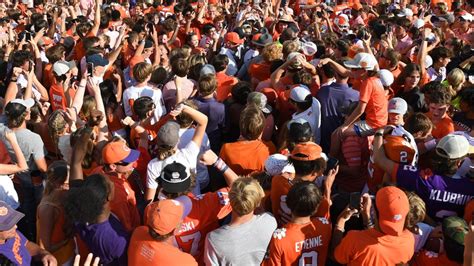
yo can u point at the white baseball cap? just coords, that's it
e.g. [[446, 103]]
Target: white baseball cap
[[207, 69], [275, 164], [309, 48], [428, 61], [453, 147], [386, 77], [28, 103], [362, 60], [62, 67], [406, 12], [397, 105], [299, 93], [466, 16], [419, 23]]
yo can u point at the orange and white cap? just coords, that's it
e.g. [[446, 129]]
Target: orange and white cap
[[392, 205]]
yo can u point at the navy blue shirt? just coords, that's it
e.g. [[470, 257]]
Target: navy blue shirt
[[332, 97], [215, 112]]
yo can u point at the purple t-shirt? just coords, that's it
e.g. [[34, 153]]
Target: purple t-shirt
[[107, 240], [14, 249], [444, 196]]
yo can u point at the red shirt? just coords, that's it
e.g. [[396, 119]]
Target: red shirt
[[57, 97]]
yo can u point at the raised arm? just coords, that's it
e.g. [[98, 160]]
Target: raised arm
[[95, 28], [8, 169], [209, 158]]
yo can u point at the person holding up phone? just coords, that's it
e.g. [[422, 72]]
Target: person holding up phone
[[386, 241]]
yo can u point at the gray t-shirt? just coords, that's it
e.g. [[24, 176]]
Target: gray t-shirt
[[32, 147], [245, 244]]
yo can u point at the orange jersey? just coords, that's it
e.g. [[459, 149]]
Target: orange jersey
[[300, 244], [124, 204], [207, 210], [398, 149], [280, 188], [166, 11]]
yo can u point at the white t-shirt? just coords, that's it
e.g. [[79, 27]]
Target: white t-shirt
[[8, 192], [185, 137], [22, 83], [186, 157], [134, 93], [313, 116]]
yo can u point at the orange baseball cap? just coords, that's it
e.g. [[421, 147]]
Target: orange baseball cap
[[392, 205], [165, 215], [118, 151], [308, 151], [233, 37]]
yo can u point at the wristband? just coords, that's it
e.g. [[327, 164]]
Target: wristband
[[378, 134], [429, 145], [220, 165]]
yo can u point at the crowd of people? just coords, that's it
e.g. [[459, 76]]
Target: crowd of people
[[236, 132]]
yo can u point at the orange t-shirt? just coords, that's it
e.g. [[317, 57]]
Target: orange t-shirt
[[207, 210], [429, 258], [372, 247], [224, 85], [48, 77], [301, 244], [144, 250], [124, 204], [279, 190], [245, 157], [260, 71], [443, 127], [57, 97], [79, 50], [373, 93]]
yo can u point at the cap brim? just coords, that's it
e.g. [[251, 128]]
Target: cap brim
[[471, 149], [395, 111], [132, 157], [267, 109], [176, 187], [351, 64], [29, 102], [15, 217], [391, 228]]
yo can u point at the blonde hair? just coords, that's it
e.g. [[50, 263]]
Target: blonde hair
[[56, 126], [245, 195], [455, 79], [272, 52], [290, 47], [417, 211]]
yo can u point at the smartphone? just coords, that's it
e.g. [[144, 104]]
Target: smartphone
[[31, 65], [90, 69], [319, 14], [331, 164], [354, 201], [27, 36]]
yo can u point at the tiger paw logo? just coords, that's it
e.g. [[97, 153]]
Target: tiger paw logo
[[279, 233], [323, 220], [3, 211]]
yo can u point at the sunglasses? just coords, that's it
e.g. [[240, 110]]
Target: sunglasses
[[122, 163]]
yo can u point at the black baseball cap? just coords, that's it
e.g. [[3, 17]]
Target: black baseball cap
[[175, 178]]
